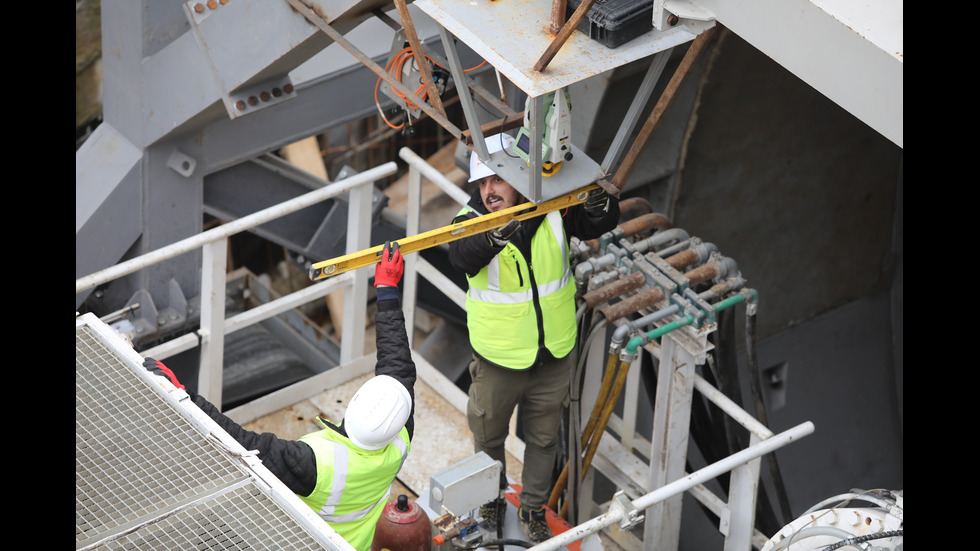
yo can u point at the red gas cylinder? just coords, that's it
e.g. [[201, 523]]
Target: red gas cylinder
[[403, 526]]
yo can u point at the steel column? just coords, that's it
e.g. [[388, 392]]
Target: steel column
[[668, 449], [355, 296], [212, 360], [738, 520]]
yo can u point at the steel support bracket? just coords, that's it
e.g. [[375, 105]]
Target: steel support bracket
[[629, 515]]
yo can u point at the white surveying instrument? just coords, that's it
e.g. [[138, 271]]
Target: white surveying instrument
[[557, 125]]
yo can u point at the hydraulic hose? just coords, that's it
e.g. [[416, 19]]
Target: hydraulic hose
[[607, 410], [574, 405], [607, 379], [861, 539], [760, 407]]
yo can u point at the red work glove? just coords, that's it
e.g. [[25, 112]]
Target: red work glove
[[389, 271], [156, 367]]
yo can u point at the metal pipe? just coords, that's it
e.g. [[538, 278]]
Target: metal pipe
[[645, 222], [661, 237], [618, 514], [731, 408], [682, 259], [634, 226], [695, 254], [640, 340], [615, 289], [235, 226], [619, 335], [666, 98], [635, 303], [702, 274]]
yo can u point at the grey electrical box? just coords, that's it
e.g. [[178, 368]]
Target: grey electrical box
[[465, 485]]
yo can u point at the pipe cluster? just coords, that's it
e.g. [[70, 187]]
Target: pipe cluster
[[645, 271]]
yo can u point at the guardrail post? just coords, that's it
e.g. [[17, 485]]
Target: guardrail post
[[212, 360], [739, 518], [671, 424], [355, 296], [412, 224]]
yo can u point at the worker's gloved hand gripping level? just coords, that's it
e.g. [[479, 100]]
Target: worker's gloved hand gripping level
[[156, 367], [597, 203], [500, 237], [389, 271]]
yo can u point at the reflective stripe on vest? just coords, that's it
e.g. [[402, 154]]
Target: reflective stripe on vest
[[501, 305], [494, 295], [337, 460]]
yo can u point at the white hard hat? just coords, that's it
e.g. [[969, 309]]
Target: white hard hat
[[377, 412], [478, 170]]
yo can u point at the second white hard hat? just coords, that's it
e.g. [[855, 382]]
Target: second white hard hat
[[377, 412], [495, 143]]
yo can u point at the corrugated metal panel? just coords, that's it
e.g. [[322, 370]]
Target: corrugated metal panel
[[151, 474]]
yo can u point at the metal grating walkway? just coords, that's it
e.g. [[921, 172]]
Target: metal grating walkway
[[149, 476]]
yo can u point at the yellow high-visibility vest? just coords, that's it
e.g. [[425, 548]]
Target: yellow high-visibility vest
[[504, 326], [353, 484]]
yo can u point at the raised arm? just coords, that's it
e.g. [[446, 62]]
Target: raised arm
[[291, 461], [393, 351]]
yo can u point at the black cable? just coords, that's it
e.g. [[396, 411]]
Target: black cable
[[864, 538], [755, 378], [497, 542], [510, 541]]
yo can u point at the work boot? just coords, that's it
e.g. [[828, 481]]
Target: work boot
[[493, 512], [534, 524]]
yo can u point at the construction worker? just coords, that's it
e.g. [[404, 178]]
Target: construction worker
[[344, 472], [520, 313]]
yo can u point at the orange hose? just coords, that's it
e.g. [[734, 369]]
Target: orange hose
[[395, 67]]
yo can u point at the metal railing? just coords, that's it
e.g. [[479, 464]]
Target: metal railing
[[214, 245], [214, 326]]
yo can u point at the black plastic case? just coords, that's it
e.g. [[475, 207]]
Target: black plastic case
[[614, 22]]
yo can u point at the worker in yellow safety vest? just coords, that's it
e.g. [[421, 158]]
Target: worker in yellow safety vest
[[344, 472], [520, 314]]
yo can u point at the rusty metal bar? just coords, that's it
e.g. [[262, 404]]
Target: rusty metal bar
[[699, 45], [420, 59], [316, 19], [566, 30], [557, 15]]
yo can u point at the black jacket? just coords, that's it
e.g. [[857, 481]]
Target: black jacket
[[293, 461], [471, 254]]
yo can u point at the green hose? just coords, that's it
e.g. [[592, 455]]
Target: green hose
[[747, 294]]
